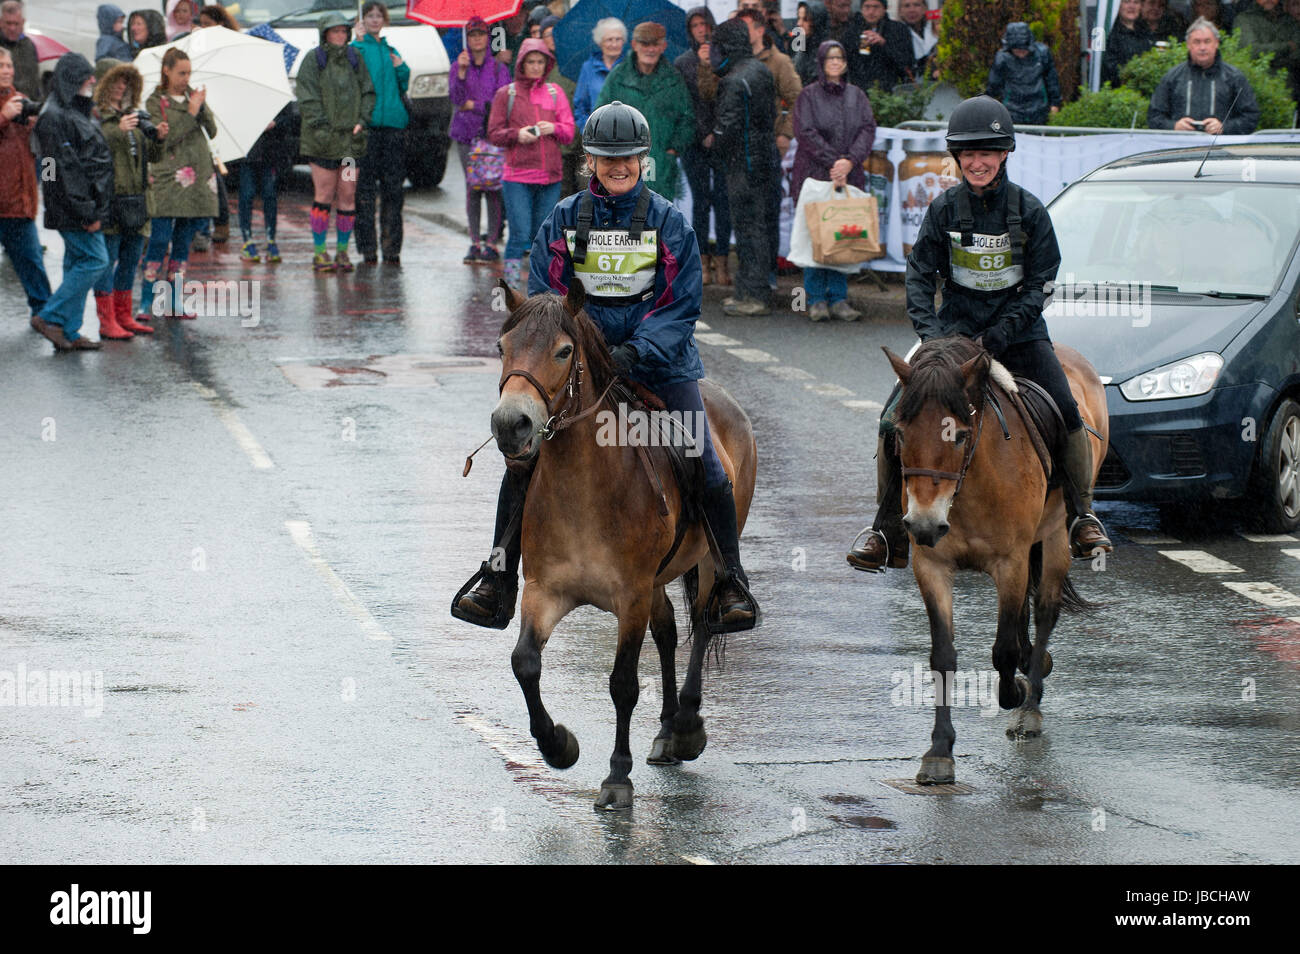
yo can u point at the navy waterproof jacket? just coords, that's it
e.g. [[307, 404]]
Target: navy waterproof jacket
[[661, 330]]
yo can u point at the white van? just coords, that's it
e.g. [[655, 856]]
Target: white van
[[72, 23]]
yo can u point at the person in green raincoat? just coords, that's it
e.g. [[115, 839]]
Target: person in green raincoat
[[336, 98], [182, 185], [651, 84]]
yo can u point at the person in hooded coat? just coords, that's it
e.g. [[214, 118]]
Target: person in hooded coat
[[110, 43], [745, 131], [835, 128], [133, 146], [530, 119], [1024, 77], [144, 29], [814, 21], [1129, 37], [76, 197], [336, 97], [475, 78], [181, 18], [705, 167]]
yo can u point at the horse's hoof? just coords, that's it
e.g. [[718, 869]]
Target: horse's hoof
[[687, 746], [661, 753], [937, 770], [614, 796], [564, 749], [1025, 724]]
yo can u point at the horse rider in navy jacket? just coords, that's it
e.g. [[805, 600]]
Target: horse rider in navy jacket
[[646, 310]]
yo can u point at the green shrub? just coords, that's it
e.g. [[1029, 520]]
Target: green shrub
[[907, 101], [1111, 108], [1276, 107]]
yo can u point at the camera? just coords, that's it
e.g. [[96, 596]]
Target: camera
[[29, 110], [1198, 123], [534, 131], [146, 125]]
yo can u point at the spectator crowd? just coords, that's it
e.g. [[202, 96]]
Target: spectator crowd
[[137, 189]]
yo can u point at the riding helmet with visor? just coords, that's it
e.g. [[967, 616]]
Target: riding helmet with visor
[[616, 129], [980, 122]]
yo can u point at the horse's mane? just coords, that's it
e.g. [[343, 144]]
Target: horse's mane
[[546, 315], [936, 376]]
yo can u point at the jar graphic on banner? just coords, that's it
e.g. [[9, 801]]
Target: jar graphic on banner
[[880, 183], [922, 177]]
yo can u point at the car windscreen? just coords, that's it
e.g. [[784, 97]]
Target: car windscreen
[[307, 12], [1195, 237]]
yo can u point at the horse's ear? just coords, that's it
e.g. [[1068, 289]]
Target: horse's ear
[[976, 369], [901, 367], [513, 298], [576, 298]]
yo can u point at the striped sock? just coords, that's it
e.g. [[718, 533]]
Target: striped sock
[[320, 224], [344, 222]]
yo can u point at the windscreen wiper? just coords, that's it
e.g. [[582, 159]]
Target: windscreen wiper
[[289, 16], [1250, 296]]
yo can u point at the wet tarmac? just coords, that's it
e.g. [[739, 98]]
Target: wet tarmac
[[252, 533]]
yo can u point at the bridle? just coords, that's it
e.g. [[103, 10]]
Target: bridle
[[959, 476], [560, 415]]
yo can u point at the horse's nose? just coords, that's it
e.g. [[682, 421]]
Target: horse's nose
[[925, 532], [512, 428]]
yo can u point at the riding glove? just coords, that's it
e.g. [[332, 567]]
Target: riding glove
[[995, 339], [624, 358]]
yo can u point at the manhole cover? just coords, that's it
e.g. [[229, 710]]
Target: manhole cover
[[912, 788]]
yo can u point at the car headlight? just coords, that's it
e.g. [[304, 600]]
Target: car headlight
[[1186, 378], [429, 84]]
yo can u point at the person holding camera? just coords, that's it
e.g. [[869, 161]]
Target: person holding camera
[[1204, 94], [530, 119], [134, 142], [18, 199]]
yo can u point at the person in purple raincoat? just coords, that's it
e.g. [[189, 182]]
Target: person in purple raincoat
[[475, 78]]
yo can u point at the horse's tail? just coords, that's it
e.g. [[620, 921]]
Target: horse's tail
[[690, 592], [1071, 600]]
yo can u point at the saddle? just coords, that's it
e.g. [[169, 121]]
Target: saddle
[[1043, 420]]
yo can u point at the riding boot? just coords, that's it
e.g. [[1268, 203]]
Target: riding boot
[[1086, 532], [887, 542], [492, 602], [736, 609]]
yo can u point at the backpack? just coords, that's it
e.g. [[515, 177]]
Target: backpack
[[353, 59], [510, 99]]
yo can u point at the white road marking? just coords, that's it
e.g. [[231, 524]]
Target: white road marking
[[752, 355], [701, 326], [788, 373], [1266, 593], [1201, 562], [1150, 539], [1269, 537], [300, 530], [826, 389], [242, 435], [1292, 552], [717, 339], [698, 860], [861, 404], [504, 745]]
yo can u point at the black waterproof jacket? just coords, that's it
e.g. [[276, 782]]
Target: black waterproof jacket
[[1018, 309], [1188, 90], [746, 116], [1122, 45], [886, 65], [805, 61], [80, 187], [688, 64]]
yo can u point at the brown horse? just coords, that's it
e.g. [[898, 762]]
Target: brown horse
[[974, 504], [594, 531]]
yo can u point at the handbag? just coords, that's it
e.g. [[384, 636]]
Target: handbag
[[129, 213], [486, 164], [844, 230]]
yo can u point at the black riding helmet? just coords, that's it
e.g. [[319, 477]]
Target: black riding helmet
[[980, 122], [616, 129]]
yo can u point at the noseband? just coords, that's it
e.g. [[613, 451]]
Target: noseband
[[559, 419]]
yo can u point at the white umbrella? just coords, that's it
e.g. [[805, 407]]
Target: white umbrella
[[244, 77]]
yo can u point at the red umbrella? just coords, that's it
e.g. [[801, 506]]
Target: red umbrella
[[47, 48], [450, 13]]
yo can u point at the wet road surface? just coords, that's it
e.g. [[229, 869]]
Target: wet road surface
[[254, 534]]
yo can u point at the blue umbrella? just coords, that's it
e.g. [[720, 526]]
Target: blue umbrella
[[573, 45]]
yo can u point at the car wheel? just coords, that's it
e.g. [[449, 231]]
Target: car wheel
[[1277, 473], [426, 167]]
